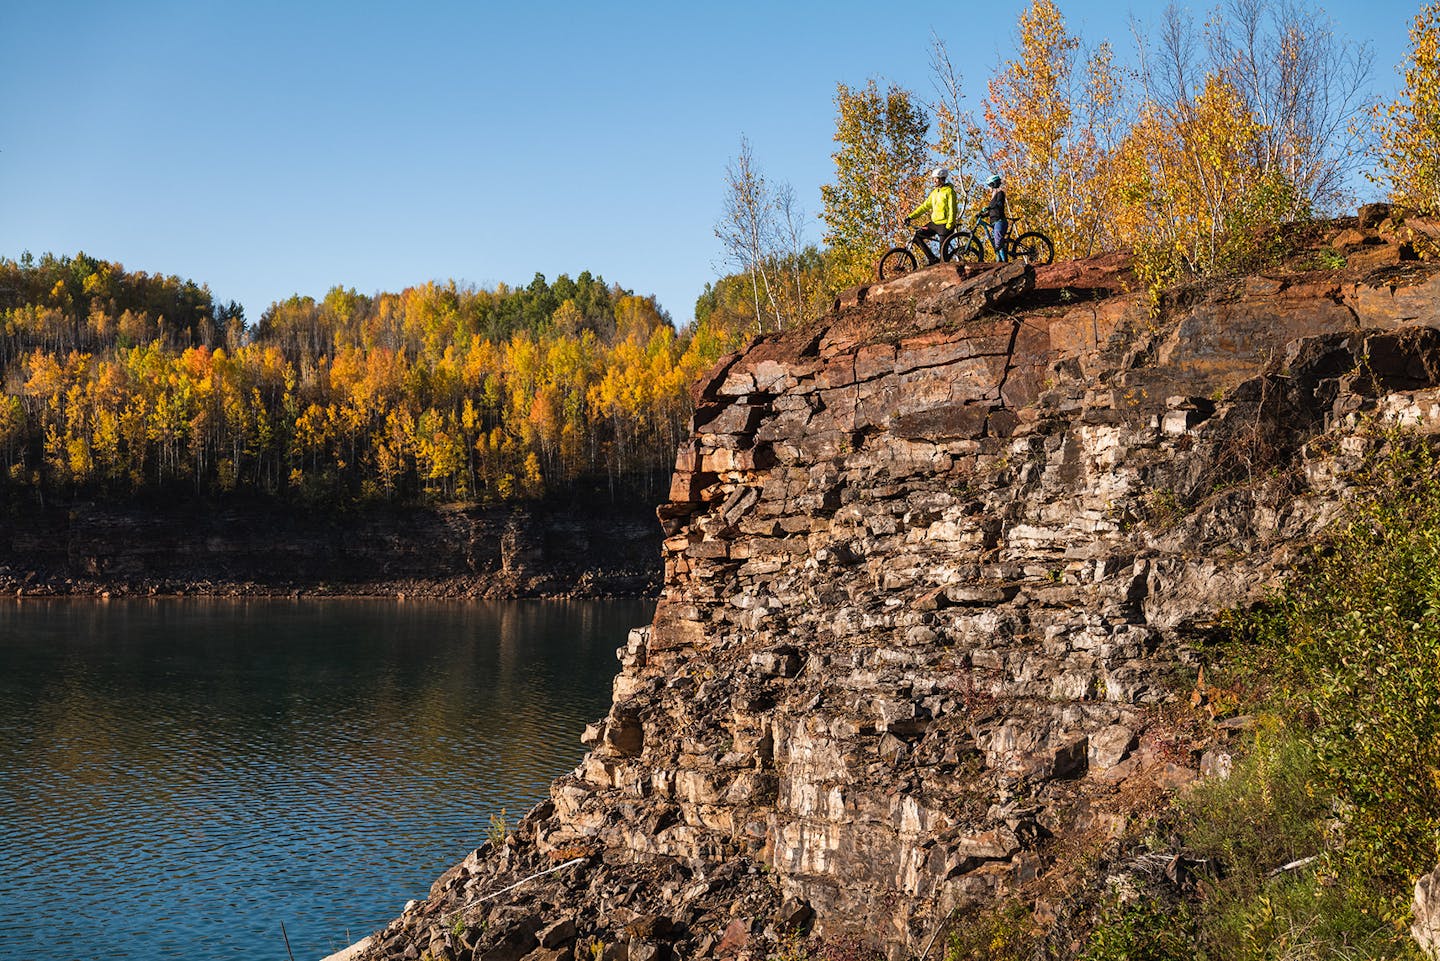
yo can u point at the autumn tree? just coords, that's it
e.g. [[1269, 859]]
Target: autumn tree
[[1189, 192], [878, 175], [805, 286], [1236, 134], [1306, 88], [955, 141], [1409, 127], [1052, 117], [762, 232], [399, 396], [1029, 114]]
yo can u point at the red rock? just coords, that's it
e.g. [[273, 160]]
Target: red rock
[[918, 284], [1379, 255], [1397, 300], [735, 938], [1352, 237], [1371, 215]]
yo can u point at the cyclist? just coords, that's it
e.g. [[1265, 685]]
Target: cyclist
[[940, 205], [995, 213]]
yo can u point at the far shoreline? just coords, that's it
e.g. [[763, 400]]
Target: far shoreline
[[536, 550], [31, 586]]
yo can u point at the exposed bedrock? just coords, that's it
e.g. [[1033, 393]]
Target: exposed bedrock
[[934, 567], [531, 550]]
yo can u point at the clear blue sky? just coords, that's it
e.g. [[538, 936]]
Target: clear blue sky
[[269, 148]]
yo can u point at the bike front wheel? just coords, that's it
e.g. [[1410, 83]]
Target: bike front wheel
[[964, 247], [1032, 247], [896, 263]]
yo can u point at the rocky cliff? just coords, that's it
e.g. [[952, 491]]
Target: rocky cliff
[[541, 549], [939, 572]]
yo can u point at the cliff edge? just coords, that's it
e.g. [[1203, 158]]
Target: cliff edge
[[939, 570]]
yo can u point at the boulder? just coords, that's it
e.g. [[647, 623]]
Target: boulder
[[557, 934], [1425, 907], [1372, 215], [550, 954], [1111, 745], [735, 939], [1351, 238]]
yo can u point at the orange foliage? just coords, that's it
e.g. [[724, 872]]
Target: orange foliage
[[398, 396]]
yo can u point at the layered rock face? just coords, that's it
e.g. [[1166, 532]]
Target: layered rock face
[[524, 551], [937, 570]]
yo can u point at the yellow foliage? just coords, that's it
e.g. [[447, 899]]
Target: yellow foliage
[[1409, 127], [392, 396], [882, 148], [1187, 187]]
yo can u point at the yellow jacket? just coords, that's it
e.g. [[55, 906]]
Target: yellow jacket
[[942, 206]]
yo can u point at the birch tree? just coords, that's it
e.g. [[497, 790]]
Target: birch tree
[[1305, 86], [879, 175], [747, 228], [1409, 127]]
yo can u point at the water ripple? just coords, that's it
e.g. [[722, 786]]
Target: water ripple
[[177, 778]]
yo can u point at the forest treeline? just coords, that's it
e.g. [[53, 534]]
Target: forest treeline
[[120, 383]]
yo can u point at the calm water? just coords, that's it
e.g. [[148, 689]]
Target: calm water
[[178, 777]]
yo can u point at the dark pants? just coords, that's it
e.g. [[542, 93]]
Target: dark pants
[[936, 231], [998, 230]]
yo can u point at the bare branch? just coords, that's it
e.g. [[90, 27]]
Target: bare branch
[[747, 227]]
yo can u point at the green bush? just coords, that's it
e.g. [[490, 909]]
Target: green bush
[[1238, 834], [1004, 931], [1356, 646], [1143, 929], [1264, 815], [1259, 229], [1269, 814], [1306, 917], [1342, 773]]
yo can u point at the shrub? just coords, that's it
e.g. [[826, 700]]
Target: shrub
[[1143, 929], [1311, 846], [1356, 644], [1004, 931]]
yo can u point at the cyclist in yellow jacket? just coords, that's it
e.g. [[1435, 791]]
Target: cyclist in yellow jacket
[[940, 205]]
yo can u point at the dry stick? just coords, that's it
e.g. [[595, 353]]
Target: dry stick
[[496, 894], [1294, 865], [936, 933]]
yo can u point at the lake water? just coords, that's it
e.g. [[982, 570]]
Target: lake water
[[180, 776]]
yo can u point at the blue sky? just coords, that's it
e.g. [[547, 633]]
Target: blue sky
[[270, 148]]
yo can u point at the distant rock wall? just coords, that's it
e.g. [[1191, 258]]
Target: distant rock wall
[[525, 551], [935, 573]]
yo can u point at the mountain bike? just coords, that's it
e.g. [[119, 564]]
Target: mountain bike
[[898, 261], [1032, 246]]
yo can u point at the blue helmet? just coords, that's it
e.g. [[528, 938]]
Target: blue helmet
[[994, 181]]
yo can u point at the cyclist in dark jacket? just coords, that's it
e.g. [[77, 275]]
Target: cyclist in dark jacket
[[995, 213]]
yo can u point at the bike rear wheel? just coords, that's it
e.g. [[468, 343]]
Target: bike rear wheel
[[964, 247], [1032, 247], [897, 262]]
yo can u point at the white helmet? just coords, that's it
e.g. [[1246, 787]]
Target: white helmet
[[941, 174]]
